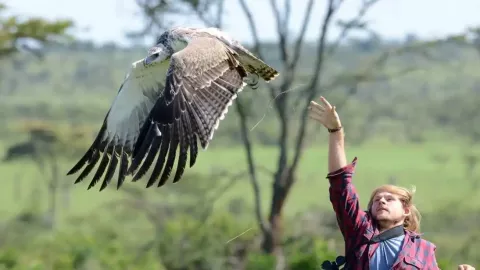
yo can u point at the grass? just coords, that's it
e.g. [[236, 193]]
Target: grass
[[436, 182]]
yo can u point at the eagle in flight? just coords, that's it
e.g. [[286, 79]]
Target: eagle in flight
[[173, 97]]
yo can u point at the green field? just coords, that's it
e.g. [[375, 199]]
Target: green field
[[436, 170]]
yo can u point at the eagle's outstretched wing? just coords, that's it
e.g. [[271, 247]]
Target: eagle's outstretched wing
[[115, 141], [202, 81]]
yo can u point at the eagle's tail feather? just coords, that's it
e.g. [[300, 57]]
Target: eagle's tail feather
[[265, 71], [255, 65]]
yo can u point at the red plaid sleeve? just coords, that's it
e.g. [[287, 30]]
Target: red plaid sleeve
[[344, 198]]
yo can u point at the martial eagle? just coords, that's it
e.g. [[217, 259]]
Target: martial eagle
[[177, 94]]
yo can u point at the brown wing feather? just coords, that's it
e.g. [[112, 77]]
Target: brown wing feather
[[202, 81], [113, 146]]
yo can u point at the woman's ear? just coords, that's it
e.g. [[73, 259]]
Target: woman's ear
[[406, 211]]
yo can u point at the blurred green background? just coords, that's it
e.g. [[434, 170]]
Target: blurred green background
[[409, 108]]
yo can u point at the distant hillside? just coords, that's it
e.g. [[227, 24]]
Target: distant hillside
[[78, 84]]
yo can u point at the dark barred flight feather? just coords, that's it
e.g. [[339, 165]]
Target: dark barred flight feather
[[156, 121]]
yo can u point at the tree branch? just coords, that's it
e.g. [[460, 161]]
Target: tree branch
[[251, 167], [253, 29], [298, 44], [256, 40], [312, 88], [313, 83], [286, 20], [281, 30], [351, 24]]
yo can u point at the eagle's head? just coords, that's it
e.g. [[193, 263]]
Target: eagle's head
[[170, 42]]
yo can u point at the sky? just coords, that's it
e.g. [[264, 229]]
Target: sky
[[108, 20]]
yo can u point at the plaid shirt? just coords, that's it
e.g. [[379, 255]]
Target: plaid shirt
[[357, 227]]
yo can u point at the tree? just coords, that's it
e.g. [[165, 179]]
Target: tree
[[41, 147], [14, 32], [47, 145], [210, 12], [186, 224]]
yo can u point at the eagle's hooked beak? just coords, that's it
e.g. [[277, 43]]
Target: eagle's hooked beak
[[153, 54]]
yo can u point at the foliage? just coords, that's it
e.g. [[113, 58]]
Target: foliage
[[14, 30], [48, 140], [105, 241], [98, 245]]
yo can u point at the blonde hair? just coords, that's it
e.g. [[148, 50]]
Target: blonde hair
[[412, 221]]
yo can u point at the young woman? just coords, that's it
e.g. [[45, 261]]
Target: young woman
[[384, 237]]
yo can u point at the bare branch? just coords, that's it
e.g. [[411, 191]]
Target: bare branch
[[298, 44], [210, 202], [155, 11], [321, 46], [313, 83], [202, 11], [286, 18], [151, 10], [253, 28], [351, 24], [281, 30], [256, 40], [265, 170], [251, 167]]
